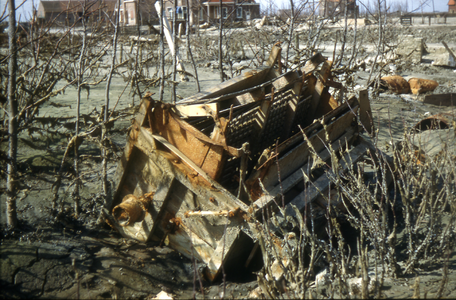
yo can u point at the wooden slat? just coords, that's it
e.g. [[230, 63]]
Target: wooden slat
[[184, 241], [441, 99], [197, 110], [120, 174], [296, 157], [365, 112], [324, 182], [297, 138], [274, 56], [165, 164], [246, 80], [160, 200], [449, 50], [313, 63], [285, 81], [183, 157], [200, 149], [250, 97], [161, 120], [320, 86], [122, 165], [292, 180]]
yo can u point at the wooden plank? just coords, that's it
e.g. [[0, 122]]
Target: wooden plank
[[320, 86], [160, 199], [365, 112], [183, 157], [122, 165], [298, 156], [313, 63], [274, 56], [161, 119], [140, 178], [169, 39], [324, 182], [449, 50], [289, 182], [246, 80], [309, 130], [182, 201], [327, 103], [324, 155], [167, 164], [120, 174], [170, 128], [197, 110], [250, 97], [285, 81], [441, 99], [141, 114], [225, 247], [185, 241]]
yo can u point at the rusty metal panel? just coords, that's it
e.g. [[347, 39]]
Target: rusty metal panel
[[206, 156]]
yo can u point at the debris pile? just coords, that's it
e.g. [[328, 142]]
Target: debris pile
[[399, 85], [208, 167]]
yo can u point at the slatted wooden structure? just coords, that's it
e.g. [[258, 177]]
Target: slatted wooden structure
[[211, 163]]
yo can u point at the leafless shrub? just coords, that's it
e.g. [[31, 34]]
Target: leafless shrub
[[402, 209]]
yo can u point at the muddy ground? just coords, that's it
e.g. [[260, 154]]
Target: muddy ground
[[72, 258]]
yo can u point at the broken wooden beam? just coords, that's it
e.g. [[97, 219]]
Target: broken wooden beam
[[323, 183]]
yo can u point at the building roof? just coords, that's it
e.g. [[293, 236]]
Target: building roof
[[58, 6], [228, 1], [337, 1], [452, 2]]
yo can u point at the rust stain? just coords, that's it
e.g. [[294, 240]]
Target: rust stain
[[255, 189], [209, 159], [134, 132], [193, 177]]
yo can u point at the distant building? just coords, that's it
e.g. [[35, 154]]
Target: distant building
[[66, 12], [182, 10], [332, 8], [202, 11], [134, 12], [452, 6], [234, 10]]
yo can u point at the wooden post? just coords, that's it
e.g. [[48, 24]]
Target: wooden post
[[365, 112], [121, 53], [171, 45], [180, 30]]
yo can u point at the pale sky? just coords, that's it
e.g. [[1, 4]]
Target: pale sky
[[25, 10]]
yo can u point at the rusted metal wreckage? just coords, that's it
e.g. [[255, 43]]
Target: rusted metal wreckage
[[199, 173]]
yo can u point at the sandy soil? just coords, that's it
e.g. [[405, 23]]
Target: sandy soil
[[69, 258]]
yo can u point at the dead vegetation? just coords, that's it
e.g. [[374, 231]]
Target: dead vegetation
[[382, 216], [398, 230]]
